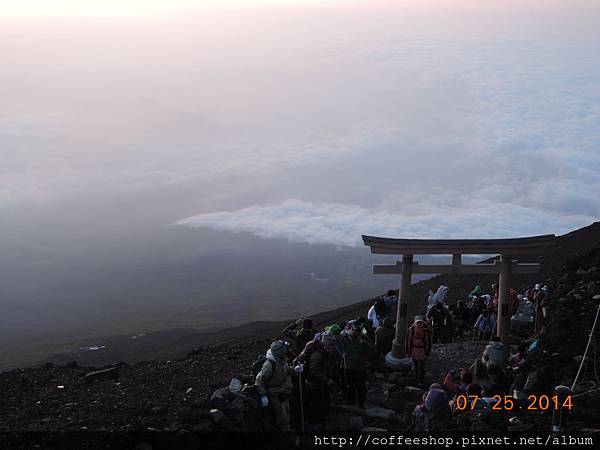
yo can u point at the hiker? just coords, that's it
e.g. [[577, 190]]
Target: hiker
[[475, 395], [439, 318], [274, 384], [495, 354], [499, 382], [336, 330], [461, 317], [382, 308], [356, 353], [301, 332], [485, 325], [456, 382], [513, 300], [384, 336], [418, 346], [520, 356], [434, 413], [476, 292], [315, 367], [538, 299]]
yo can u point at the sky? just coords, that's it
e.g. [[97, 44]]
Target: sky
[[311, 121]]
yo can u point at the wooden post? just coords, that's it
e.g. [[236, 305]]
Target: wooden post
[[397, 357], [503, 324]]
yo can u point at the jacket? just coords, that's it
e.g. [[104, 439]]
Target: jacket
[[303, 336], [485, 324], [418, 342], [275, 377], [355, 353], [495, 353], [383, 339]]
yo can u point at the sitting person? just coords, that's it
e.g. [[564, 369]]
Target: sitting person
[[475, 394], [451, 382], [456, 382], [495, 354], [520, 356], [434, 413], [466, 379]]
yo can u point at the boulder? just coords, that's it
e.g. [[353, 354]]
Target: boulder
[[412, 394], [379, 413], [220, 397], [217, 415]]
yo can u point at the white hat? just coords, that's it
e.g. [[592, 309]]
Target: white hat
[[419, 319], [537, 286]]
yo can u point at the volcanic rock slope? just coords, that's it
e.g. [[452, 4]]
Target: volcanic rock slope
[[173, 394]]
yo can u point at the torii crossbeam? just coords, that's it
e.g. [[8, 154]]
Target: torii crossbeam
[[534, 245]]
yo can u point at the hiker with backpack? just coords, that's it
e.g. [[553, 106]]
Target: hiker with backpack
[[317, 371], [460, 318], [495, 353], [355, 357], [381, 309], [384, 336], [475, 293], [274, 384], [485, 325], [434, 413], [300, 332], [418, 346], [439, 318]]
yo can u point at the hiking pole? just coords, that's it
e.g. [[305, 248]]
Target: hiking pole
[[301, 402], [345, 377]]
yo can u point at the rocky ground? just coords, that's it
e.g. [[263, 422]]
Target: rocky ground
[[175, 395]]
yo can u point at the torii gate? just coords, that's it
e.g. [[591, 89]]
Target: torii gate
[[534, 245]]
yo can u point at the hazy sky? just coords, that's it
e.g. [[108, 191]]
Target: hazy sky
[[305, 120]]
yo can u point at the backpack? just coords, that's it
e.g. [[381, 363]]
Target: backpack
[[258, 364], [304, 356], [303, 336]]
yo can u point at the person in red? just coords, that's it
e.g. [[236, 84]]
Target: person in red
[[418, 346], [513, 300]]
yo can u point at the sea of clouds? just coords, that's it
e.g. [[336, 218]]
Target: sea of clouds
[[517, 155]]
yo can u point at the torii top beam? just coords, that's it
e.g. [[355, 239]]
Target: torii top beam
[[513, 246]]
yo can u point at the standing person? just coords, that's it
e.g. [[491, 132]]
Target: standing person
[[476, 292], [318, 374], [460, 317], [305, 334], [356, 353], [274, 384], [484, 325], [538, 300], [300, 332], [382, 308], [439, 318], [384, 336], [418, 346]]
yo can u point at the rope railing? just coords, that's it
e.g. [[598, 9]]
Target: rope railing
[[587, 347]]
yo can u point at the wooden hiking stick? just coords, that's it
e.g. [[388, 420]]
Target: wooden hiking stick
[[301, 402]]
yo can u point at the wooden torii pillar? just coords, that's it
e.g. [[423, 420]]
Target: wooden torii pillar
[[504, 268]]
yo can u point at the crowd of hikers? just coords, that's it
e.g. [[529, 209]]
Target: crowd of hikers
[[307, 369]]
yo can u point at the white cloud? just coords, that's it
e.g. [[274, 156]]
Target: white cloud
[[343, 224]]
